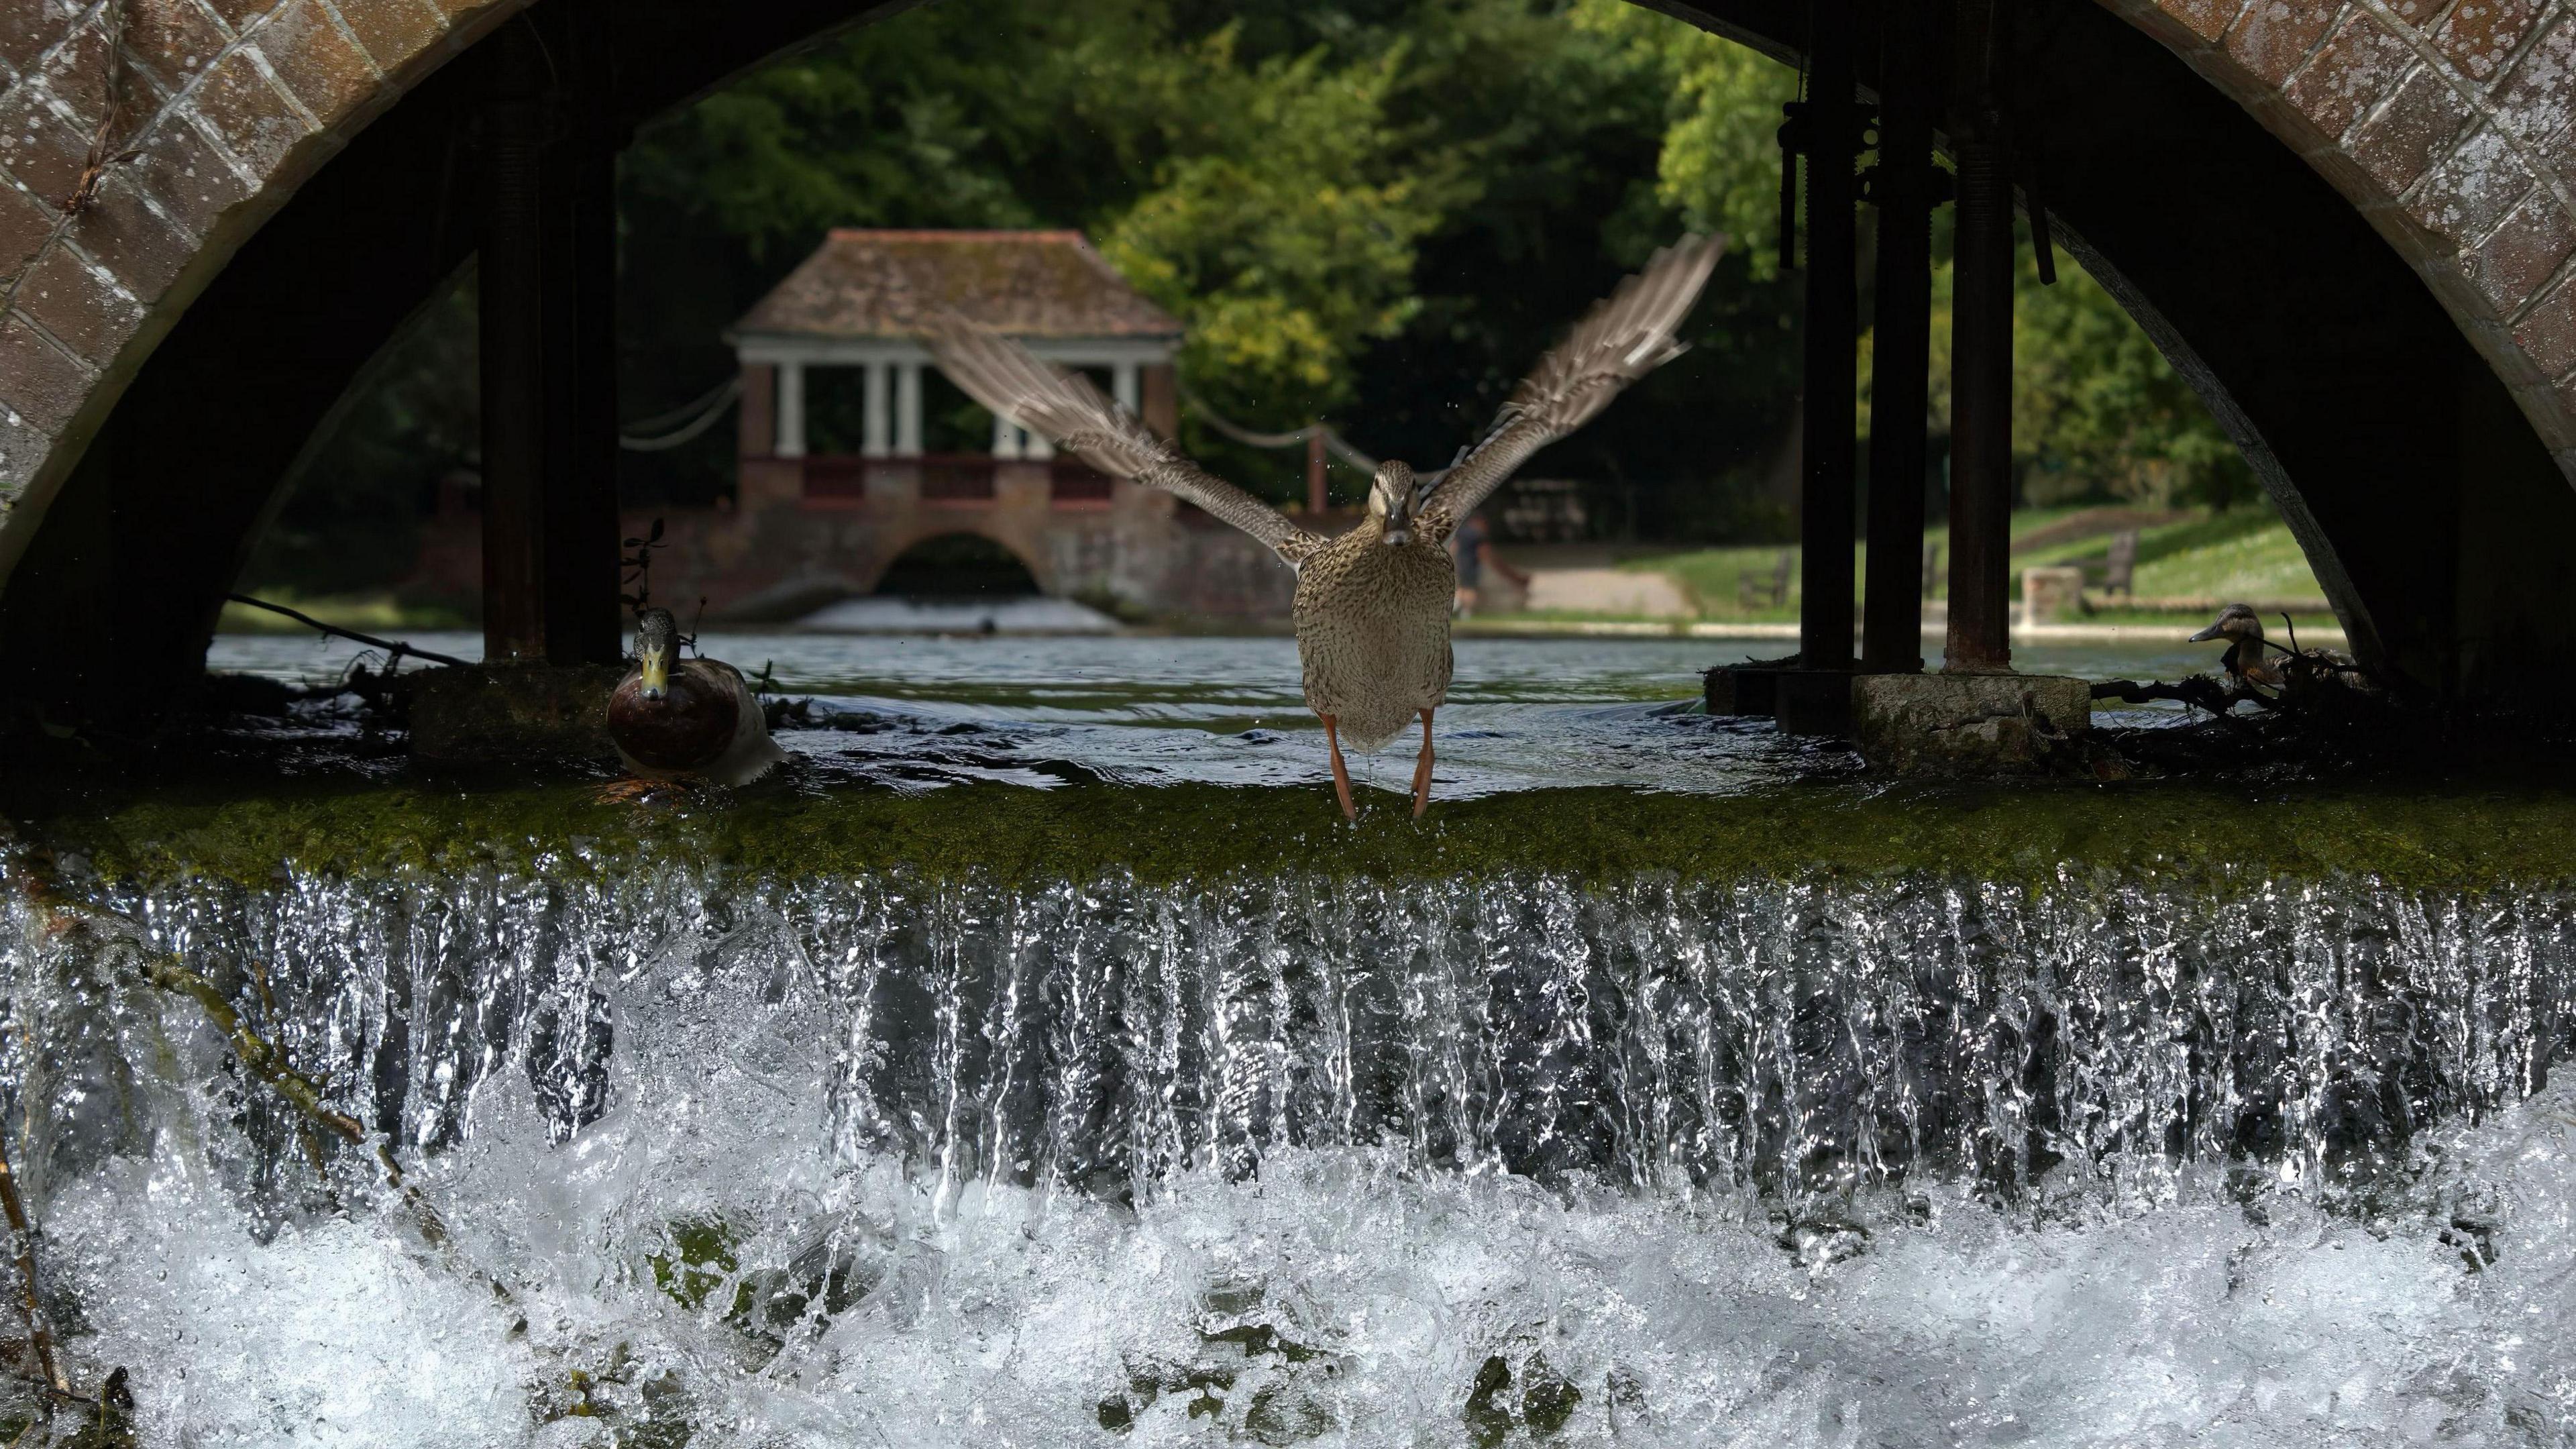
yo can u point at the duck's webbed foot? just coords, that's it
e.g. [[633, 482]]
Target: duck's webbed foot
[[1422, 771], [1341, 775]]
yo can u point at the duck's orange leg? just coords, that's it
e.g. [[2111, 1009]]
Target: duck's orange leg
[[1341, 776], [1422, 771]]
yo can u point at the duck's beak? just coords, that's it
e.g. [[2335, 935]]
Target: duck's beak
[[2205, 635], [657, 672]]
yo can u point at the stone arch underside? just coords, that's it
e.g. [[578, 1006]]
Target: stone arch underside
[[2349, 223]]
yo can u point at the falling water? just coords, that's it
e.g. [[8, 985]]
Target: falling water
[[907, 1161]]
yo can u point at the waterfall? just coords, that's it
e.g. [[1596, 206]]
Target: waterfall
[[814, 1123]]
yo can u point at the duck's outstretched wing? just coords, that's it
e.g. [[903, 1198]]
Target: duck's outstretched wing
[[1007, 378], [1624, 337]]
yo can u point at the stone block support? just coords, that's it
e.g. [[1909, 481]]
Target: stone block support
[[1967, 724]]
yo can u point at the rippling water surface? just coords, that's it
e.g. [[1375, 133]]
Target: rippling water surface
[[1522, 714]]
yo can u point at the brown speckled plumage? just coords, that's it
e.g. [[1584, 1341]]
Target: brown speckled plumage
[[1373, 631], [1372, 606]]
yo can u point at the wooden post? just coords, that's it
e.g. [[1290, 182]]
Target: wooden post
[[1315, 490], [583, 621], [1826, 505], [548, 278], [1909, 90], [511, 277], [1980, 633]]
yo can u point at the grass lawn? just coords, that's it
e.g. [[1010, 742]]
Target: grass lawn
[[371, 613], [2243, 554]]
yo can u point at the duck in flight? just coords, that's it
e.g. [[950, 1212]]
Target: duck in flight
[[1372, 606]]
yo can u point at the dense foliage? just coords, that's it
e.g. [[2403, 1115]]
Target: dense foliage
[[1375, 213]]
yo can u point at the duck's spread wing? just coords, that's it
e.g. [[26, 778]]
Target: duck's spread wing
[[1625, 336], [1005, 377]]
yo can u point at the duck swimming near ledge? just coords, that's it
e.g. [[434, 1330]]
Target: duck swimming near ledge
[[686, 721], [2245, 660], [1372, 606]]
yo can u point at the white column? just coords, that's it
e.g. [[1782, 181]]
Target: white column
[[874, 429], [1122, 386], [1035, 445], [791, 410], [907, 410], [1006, 437]]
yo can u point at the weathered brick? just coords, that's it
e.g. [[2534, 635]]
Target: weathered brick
[[395, 32], [2414, 129], [28, 28], [171, 40], [2524, 252], [327, 73], [2350, 72], [82, 310], [461, 12], [38, 380], [2547, 333], [2480, 35], [76, 71], [2471, 190], [2207, 19], [25, 223], [2537, 98], [241, 15], [187, 175], [39, 148], [22, 447], [2273, 36], [254, 122], [131, 240], [2418, 13]]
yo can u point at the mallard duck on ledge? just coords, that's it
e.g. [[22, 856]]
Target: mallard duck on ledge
[[1372, 607], [686, 721]]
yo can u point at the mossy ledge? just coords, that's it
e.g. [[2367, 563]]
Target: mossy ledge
[[2422, 837]]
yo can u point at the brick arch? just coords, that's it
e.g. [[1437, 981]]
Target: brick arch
[[222, 231], [2451, 126], [891, 547], [229, 106]]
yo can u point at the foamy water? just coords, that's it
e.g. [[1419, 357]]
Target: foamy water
[[1306, 1161]]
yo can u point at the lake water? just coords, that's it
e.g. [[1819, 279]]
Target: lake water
[[1522, 713]]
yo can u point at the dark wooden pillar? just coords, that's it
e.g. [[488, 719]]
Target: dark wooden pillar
[[581, 569], [1825, 496], [547, 269], [510, 276], [1981, 359], [1903, 185]]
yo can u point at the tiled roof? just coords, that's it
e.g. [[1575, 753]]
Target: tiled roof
[[1020, 283]]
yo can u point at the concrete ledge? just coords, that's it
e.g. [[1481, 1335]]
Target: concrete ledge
[[513, 712], [1968, 724]]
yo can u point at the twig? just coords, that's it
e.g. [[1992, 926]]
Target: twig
[[31, 1307], [258, 1056], [394, 647], [102, 153]]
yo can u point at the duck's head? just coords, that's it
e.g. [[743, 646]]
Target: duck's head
[[657, 640], [1391, 498], [2236, 624]]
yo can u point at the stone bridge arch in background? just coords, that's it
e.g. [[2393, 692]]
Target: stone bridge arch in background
[[2349, 222]]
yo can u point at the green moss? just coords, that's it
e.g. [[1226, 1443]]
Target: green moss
[[2422, 836], [701, 1260]]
